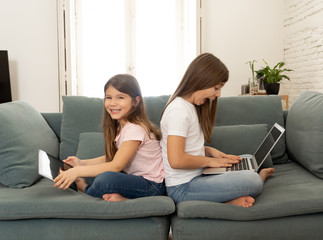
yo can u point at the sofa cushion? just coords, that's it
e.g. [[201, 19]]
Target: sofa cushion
[[304, 127], [91, 145], [42, 200], [80, 114], [240, 139], [292, 190], [23, 131], [254, 110]]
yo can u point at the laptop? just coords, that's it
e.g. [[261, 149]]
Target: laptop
[[253, 162], [49, 166]]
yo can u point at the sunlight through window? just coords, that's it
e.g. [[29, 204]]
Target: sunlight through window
[[154, 40]]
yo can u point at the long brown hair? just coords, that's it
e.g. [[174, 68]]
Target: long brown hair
[[204, 72], [127, 84]]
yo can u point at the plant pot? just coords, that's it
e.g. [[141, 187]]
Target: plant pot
[[272, 88]]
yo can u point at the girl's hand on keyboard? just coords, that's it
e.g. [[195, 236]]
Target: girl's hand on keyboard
[[212, 152], [222, 162], [234, 157]]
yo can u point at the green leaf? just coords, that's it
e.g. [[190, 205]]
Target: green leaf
[[273, 75]]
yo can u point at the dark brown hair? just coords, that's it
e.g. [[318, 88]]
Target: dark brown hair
[[204, 72]]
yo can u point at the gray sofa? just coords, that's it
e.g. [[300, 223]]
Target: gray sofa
[[31, 208], [290, 206]]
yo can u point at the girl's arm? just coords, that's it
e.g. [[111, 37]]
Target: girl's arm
[[124, 154], [178, 159], [93, 161], [75, 161]]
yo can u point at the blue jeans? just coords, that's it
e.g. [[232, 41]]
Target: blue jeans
[[218, 188], [127, 185]]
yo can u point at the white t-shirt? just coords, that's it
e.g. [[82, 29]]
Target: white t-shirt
[[180, 119]]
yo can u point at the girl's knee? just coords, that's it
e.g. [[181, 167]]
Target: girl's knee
[[253, 182], [100, 184], [256, 183], [105, 176]]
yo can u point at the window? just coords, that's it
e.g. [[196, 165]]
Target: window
[[154, 40]]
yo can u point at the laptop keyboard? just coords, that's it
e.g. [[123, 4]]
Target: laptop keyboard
[[242, 165]]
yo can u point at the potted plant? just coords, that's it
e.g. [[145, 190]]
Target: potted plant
[[272, 76]]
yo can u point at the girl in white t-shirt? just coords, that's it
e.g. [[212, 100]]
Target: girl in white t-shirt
[[132, 166], [187, 122]]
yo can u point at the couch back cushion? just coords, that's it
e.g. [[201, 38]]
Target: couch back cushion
[[240, 139], [154, 107], [23, 131], [304, 127], [80, 114], [248, 110]]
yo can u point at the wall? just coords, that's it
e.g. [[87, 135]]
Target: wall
[[303, 46], [28, 30], [240, 31], [237, 31]]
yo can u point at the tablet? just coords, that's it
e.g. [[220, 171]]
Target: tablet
[[49, 166]]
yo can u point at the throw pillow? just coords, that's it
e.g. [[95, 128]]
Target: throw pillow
[[80, 114], [91, 145], [304, 131], [240, 139], [23, 131]]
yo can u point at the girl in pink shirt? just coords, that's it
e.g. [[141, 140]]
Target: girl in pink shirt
[[132, 166]]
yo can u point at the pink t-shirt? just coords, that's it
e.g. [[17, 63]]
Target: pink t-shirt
[[147, 161]]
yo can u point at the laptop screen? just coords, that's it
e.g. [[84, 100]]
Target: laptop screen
[[268, 143]]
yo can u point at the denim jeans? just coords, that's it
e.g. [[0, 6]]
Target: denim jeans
[[127, 185], [218, 188]]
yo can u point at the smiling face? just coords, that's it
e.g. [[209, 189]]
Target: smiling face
[[118, 104], [199, 97]]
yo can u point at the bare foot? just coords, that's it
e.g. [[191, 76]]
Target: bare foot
[[81, 184], [266, 173], [246, 201], [113, 197]]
